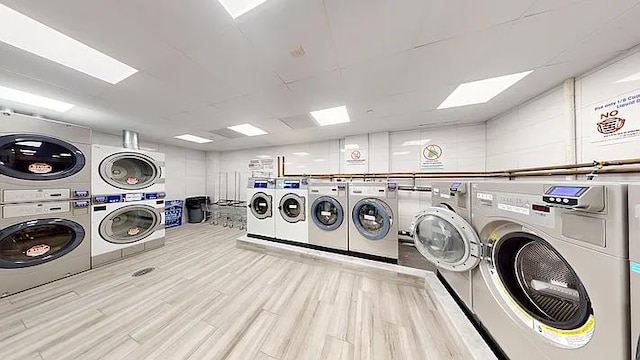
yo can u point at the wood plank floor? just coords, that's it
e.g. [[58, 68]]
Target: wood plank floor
[[209, 300]]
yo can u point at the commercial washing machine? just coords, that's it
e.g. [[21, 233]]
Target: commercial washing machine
[[261, 222], [293, 208], [41, 242], [118, 170], [373, 229], [443, 235], [329, 225], [553, 278], [126, 224], [43, 160], [634, 266]]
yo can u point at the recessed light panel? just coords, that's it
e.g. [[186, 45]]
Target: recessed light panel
[[193, 138], [237, 8], [247, 129], [33, 100], [480, 92], [29, 35], [336, 115]]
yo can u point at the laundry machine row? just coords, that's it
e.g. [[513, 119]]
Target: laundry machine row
[[353, 218], [547, 264]]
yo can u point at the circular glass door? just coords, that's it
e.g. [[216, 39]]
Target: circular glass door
[[260, 205], [292, 208], [129, 224], [446, 239], [129, 171], [540, 282], [373, 218], [38, 158], [327, 213], [37, 242]]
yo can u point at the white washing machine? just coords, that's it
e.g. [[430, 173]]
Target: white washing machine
[[43, 160], [126, 224], [261, 221], [119, 170], [444, 244], [373, 229], [293, 208], [329, 213], [634, 266], [41, 242], [553, 270]]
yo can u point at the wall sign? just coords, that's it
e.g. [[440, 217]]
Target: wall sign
[[616, 120], [431, 157], [356, 160]]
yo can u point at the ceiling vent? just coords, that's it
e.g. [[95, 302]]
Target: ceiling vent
[[297, 52], [299, 122], [130, 140], [227, 133]]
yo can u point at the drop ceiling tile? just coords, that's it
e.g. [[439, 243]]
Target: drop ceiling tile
[[276, 27], [447, 19], [375, 78], [276, 102], [320, 92], [540, 6], [366, 29], [206, 117]]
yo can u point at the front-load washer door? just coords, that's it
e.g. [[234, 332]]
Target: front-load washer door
[[130, 171], [541, 287], [261, 206], [130, 224], [446, 239], [327, 213], [373, 218], [37, 242], [292, 208], [38, 158]]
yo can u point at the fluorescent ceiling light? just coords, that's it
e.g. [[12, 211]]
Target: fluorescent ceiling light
[[301, 154], [416, 142], [33, 100], [237, 8], [336, 115], [193, 138], [247, 129], [480, 92], [29, 35], [634, 77], [400, 153]]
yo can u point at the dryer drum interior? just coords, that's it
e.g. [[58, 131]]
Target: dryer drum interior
[[129, 171], [292, 208], [327, 213], [261, 206], [130, 224], [541, 281], [37, 157], [37, 242]]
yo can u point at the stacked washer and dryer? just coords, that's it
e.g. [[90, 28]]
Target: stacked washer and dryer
[[45, 179], [549, 266], [128, 201]]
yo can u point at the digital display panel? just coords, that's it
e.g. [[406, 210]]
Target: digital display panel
[[81, 204], [565, 190], [151, 196], [114, 198], [260, 185], [455, 186], [541, 208], [393, 186], [292, 185]]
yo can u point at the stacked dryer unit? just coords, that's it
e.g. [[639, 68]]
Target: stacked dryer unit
[[45, 180], [329, 213], [261, 221], [293, 207], [128, 202]]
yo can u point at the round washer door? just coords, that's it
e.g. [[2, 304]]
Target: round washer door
[[446, 239], [541, 287], [327, 213], [38, 158], [373, 218], [37, 242], [261, 206], [129, 171], [129, 224], [292, 208]]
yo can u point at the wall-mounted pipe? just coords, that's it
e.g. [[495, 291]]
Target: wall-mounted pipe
[[130, 140]]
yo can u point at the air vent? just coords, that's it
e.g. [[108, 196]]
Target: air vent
[[297, 52], [227, 134], [299, 122]]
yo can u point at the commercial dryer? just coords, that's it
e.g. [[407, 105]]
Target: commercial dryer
[[293, 207], [261, 222]]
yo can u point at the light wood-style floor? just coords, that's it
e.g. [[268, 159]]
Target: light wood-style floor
[[209, 300]]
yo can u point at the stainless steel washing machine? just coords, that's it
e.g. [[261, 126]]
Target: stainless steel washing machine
[[445, 245], [43, 160], [41, 242], [634, 266], [373, 229], [553, 278], [329, 225]]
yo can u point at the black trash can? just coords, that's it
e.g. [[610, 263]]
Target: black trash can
[[196, 208]]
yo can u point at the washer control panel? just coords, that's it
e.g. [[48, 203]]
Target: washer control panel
[[587, 198]]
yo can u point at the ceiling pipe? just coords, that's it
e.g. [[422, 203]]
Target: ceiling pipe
[[130, 140]]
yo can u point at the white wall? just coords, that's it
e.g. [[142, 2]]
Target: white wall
[[185, 168]]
